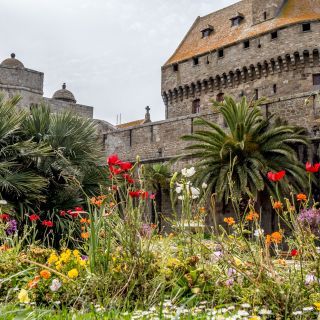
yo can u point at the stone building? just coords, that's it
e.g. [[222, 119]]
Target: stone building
[[253, 48], [16, 79]]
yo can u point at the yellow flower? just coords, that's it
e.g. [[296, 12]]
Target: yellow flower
[[53, 258], [317, 305], [45, 274], [23, 296], [73, 273], [76, 253]]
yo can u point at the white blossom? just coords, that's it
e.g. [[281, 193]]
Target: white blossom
[[188, 172], [258, 233], [204, 185], [56, 285], [178, 189], [195, 192], [3, 202]]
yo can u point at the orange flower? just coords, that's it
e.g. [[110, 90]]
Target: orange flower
[[83, 228], [202, 210], [85, 235], [275, 237], [277, 205], [45, 274], [33, 283], [252, 216], [268, 239], [301, 197], [229, 221]]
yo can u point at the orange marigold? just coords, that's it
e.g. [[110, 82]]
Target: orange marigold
[[252, 216], [276, 237], [277, 205], [85, 235], [45, 274], [301, 197], [229, 221]]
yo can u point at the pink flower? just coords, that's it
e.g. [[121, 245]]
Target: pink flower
[[62, 213], [152, 196]]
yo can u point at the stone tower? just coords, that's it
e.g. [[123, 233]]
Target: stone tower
[[263, 10]]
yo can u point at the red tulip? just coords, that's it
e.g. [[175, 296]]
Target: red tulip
[[34, 217], [294, 253], [314, 168], [62, 213], [113, 160], [4, 216], [277, 176], [47, 223], [144, 194], [134, 194], [125, 166], [79, 209]]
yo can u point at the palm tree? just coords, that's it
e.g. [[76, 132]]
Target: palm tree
[[157, 177], [19, 182], [75, 164], [244, 151]]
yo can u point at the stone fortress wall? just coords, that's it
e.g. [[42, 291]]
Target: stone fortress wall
[[278, 68], [15, 79], [272, 52]]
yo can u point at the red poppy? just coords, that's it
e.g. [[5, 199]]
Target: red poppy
[[277, 176], [69, 212], [134, 194], [47, 223], [314, 168], [128, 178], [4, 216], [62, 213], [114, 170], [125, 166], [34, 217], [79, 209], [294, 253], [113, 160]]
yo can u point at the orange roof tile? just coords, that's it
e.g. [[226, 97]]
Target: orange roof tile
[[130, 124], [294, 11]]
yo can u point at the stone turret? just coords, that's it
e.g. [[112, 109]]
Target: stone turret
[[64, 95]]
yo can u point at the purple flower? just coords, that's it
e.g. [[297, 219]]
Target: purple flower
[[84, 258], [231, 272], [310, 218], [230, 282], [12, 227]]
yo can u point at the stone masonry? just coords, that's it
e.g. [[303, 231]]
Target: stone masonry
[[253, 48]]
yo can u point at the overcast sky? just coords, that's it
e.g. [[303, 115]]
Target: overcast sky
[[109, 52]]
